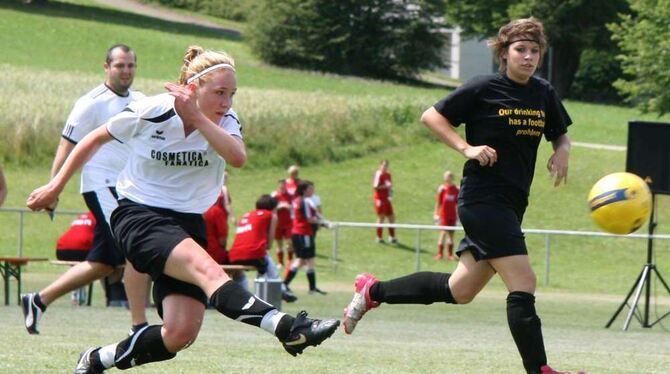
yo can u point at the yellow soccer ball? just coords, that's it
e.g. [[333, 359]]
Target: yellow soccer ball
[[620, 203]]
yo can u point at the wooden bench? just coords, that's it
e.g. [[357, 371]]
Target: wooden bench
[[90, 286], [11, 268]]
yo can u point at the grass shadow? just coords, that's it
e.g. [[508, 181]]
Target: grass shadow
[[95, 13], [404, 247]]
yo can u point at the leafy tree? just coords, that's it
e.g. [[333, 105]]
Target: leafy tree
[[644, 38], [571, 26], [376, 38]]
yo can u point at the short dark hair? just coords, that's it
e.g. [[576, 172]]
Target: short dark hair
[[266, 202], [123, 47], [302, 187]]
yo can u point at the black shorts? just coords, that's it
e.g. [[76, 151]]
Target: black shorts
[[71, 254], [491, 231], [147, 235], [260, 264], [104, 248], [303, 246]]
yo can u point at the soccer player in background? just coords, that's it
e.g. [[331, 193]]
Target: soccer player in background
[[445, 214], [293, 180], [98, 187], [304, 216], [253, 239], [216, 220], [282, 234], [505, 115], [180, 143], [382, 188]]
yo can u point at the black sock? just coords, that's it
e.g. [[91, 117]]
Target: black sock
[[526, 330], [419, 288], [38, 301], [143, 347], [289, 277], [284, 327], [311, 278], [236, 303]]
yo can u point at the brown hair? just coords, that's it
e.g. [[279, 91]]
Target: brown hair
[[198, 59], [517, 30]]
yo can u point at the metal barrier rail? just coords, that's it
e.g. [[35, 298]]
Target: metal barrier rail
[[21, 212], [336, 225]]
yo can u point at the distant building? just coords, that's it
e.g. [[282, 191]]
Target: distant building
[[467, 58]]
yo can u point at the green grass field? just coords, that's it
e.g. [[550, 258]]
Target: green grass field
[[56, 56]]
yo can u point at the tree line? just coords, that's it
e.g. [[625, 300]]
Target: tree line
[[601, 50]]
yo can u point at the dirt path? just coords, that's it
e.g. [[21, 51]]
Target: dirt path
[[164, 14]]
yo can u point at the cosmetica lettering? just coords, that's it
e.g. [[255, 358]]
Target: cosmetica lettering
[[183, 158]]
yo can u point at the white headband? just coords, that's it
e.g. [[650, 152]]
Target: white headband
[[209, 69]]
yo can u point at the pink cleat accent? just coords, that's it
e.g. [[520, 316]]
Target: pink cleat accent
[[360, 303], [548, 370]]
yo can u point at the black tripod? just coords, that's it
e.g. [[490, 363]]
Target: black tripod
[[643, 279]]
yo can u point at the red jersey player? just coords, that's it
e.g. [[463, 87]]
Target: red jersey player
[[216, 221], [282, 234], [292, 181], [253, 235], [446, 214], [75, 243], [382, 191], [304, 215]]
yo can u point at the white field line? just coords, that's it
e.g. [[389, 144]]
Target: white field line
[[608, 147]]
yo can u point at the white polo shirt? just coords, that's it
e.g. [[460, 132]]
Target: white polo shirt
[[165, 169], [89, 112]]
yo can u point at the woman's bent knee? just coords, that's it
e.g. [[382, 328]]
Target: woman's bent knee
[[179, 338]]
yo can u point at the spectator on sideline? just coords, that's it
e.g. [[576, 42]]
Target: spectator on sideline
[[383, 191], [98, 187], [446, 215]]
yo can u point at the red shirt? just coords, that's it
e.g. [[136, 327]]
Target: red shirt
[[381, 179], [251, 236], [283, 214], [291, 186], [447, 198], [216, 221], [302, 212], [80, 234]]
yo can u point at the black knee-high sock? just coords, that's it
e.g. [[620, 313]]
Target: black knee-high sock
[[311, 278], [526, 330], [141, 348], [290, 275], [236, 303], [419, 288]]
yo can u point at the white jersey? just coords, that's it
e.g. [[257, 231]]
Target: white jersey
[[89, 112], [166, 169]]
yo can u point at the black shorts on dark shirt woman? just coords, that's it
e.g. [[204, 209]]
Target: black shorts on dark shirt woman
[[147, 235], [491, 231]]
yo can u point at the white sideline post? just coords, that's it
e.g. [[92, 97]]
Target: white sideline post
[[333, 256], [418, 249], [546, 259]]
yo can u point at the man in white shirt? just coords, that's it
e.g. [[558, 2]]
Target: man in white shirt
[[98, 181]]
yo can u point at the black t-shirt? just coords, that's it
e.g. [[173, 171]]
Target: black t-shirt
[[510, 118]]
